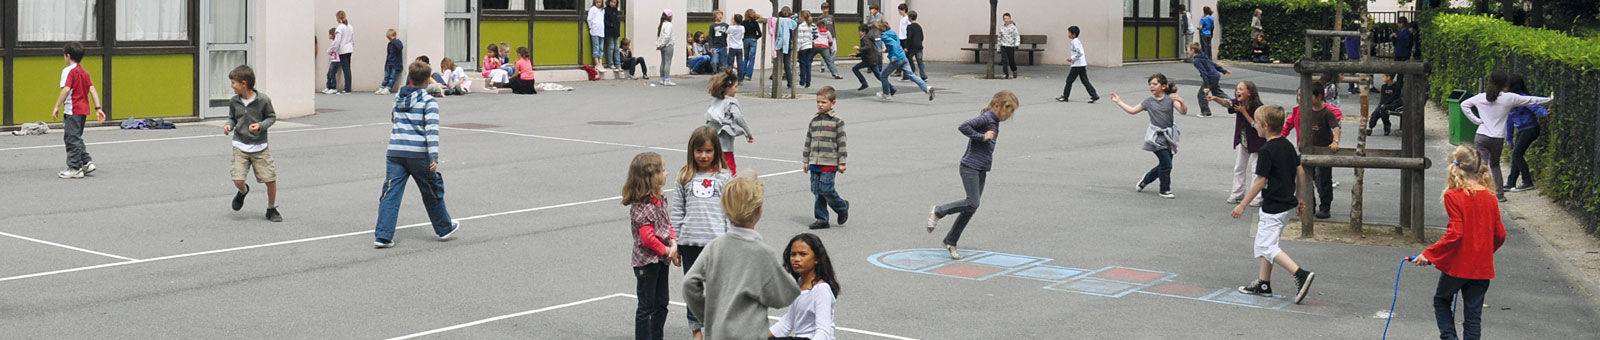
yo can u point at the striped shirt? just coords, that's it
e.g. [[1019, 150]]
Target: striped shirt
[[825, 140], [696, 208], [416, 125], [980, 153]]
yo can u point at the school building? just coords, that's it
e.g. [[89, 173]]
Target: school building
[[170, 58]]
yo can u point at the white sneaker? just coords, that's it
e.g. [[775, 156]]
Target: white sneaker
[[382, 91], [89, 168], [933, 218], [329, 91], [668, 83], [1167, 195], [454, 226], [1255, 204], [70, 173], [1235, 200], [954, 255]]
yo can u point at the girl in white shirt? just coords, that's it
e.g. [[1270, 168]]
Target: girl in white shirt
[[1489, 110], [455, 79], [811, 315]]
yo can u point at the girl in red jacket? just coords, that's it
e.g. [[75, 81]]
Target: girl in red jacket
[[1465, 255]]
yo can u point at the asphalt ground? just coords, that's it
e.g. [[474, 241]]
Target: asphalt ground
[[1062, 247]]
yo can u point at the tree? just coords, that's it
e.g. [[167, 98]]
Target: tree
[[994, 6]]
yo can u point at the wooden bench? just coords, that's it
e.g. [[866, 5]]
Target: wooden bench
[[986, 45]]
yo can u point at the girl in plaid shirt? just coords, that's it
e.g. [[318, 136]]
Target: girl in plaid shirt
[[654, 243]]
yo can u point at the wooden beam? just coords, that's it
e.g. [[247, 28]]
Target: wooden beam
[[1368, 162]]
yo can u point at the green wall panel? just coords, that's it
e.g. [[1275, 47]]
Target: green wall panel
[[559, 43], [1147, 42], [152, 86], [3, 98], [513, 33], [37, 82], [1169, 41], [1130, 42]]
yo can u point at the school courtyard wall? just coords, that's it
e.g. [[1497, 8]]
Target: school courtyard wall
[[418, 23]]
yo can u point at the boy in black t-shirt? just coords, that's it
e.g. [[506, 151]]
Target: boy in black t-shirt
[[1324, 129], [1277, 171]]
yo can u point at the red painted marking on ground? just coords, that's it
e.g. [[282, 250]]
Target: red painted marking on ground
[[966, 270], [1179, 289], [1130, 275]]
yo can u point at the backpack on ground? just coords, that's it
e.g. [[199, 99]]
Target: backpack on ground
[[593, 74]]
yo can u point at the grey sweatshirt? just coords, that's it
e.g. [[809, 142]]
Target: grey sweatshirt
[[725, 117], [734, 283], [240, 116], [697, 208]]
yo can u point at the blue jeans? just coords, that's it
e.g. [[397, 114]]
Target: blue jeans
[[904, 67], [1162, 171], [613, 56], [921, 65], [822, 187], [430, 183], [651, 315], [1472, 292], [864, 65], [736, 60], [597, 45], [389, 75], [806, 56], [749, 58]]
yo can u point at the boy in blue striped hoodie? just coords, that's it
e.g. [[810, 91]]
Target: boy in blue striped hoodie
[[414, 152]]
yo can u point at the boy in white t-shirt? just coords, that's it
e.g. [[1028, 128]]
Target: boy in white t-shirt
[[1080, 68]]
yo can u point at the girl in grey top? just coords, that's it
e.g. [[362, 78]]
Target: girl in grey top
[[1161, 137]]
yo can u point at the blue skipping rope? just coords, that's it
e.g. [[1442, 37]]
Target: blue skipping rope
[[1396, 294]]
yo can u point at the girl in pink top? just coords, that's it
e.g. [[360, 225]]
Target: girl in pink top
[[522, 81]]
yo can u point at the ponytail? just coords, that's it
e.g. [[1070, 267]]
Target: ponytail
[[1497, 83]]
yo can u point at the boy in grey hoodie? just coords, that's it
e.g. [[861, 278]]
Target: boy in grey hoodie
[[250, 114], [738, 278]]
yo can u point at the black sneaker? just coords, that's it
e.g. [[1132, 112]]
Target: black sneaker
[[272, 215], [1303, 284], [1322, 214], [1259, 287], [844, 215], [863, 87], [1521, 188], [837, 77], [819, 225], [1061, 99], [1092, 100], [238, 198]]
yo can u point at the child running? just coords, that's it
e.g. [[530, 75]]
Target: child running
[[1210, 76], [1162, 136], [1522, 127], [981, 133], [1489, 110], [1465, 255], [414, 152], [1277, 178], [739, 280], [76, 91], [250, 114], [697, 202], [824, 158], [724, 115], [654, 243], [811, 314]]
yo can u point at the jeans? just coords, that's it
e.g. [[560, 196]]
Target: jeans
[[636, 61], [806, 56], [597, 46], [736, 60], [1008, 59], [1489, 149], [915, 61], [666, 62], [689, 254], [333, 71], [1073, 76], [864, 65], [1322, 179], [822, 187], [972, 180], [719, 56], [827, 59], [1162, 171], [749, 68], [429, 183], [650, 318], [344, 66], [1205, 46], [389, 76], [1216, 90], [1519, 161], [613, 56], [888, 89], [788, 70], [1381, 113], [77, 153], [1472, 292]]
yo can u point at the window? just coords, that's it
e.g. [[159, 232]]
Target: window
[[846, 7], [702, 6], [56, 20], [513, 5], [152, 20], [561, 5]]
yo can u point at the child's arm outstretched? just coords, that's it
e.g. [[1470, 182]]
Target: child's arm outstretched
[[1131, 110], [738, 119], [779, 290]]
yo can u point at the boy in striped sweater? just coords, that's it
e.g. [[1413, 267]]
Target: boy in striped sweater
[[414, 152], [824, 158]]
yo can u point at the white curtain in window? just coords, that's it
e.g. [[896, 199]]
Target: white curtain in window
[[815, 6], [700, 6], [229, 22], [845, 7], [152, 20], [223, 62], [56, 20], [1127, 8], [456, 44], [456, 6]]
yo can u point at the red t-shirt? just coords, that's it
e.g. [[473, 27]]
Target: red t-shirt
[[525, 69], [75, 78], [1475, 233]]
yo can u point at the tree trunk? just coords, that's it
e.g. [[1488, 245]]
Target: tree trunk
[[1536, 14], [994, 40], [1508, 9]]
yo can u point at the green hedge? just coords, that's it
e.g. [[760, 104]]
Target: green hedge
[[1564, 160], [1284, 21]]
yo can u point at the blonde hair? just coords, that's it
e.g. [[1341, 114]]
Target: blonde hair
[[1271, 116], [1466, 169], [751, 15], [391, 33], [1004, 104], [641, 184], [447, 65], [716, 13], [700, 136], [742, 199]]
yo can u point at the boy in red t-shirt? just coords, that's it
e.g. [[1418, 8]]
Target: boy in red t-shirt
[[76, 90]]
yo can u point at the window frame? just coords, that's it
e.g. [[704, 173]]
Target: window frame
[[486, 13], [190, 6], [37, 48], [704, 16]]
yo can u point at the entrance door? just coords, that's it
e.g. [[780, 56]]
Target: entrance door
[[225, 44], [460, 21]]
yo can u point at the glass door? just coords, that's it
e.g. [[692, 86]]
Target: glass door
[[459, 34], [225, 44]]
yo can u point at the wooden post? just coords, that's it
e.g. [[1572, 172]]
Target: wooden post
[[1304, 99], [994, 40], [1357, 199], [1412, 143]]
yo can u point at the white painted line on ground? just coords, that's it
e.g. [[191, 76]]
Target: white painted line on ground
[[603, 143], [507, 316], [186, 137], [34, 240], [319, 238]]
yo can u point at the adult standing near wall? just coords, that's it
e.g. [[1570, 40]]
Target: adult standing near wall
[[664, 44], [597, 32], [613, 32], [344, 44], [1208, 24], [1188, 31]]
